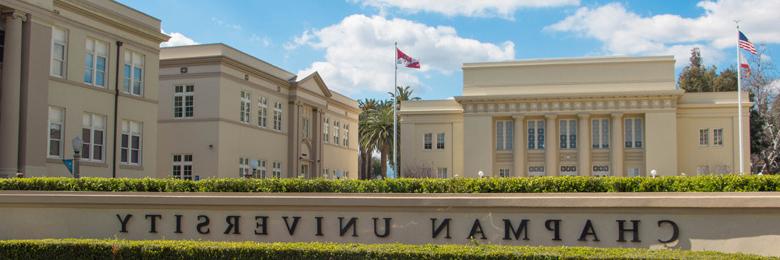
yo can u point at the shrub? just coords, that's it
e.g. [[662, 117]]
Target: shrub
[[170, 249], [726, 183]]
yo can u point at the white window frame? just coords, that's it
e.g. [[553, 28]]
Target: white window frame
[[428, 141], [535, 171], [134, 61], [441, 173], [599, 128], [704, 136], [262, 171], [536, 130], [336, 136], [277, 170], [441, 140], [278, 116], [60, 124], [634, 172], [601, 170], [183, 101], [184, 161], [633, 129], [504, 135], [89, 143], [246, 103], [567, 134], [64, 61], [326, 130], [262, 112], [504, 172], [244, 170], [717, 136], [128, 148], [345, 139], [568, 170], [94, 55]]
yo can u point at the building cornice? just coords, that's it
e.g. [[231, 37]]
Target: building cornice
[[567, 61], [86, 9], [573, 105], [219, 59]]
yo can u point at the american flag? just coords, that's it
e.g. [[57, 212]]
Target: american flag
[[745, 44]]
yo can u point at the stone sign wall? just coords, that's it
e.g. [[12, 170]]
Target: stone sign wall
[[727, 222]]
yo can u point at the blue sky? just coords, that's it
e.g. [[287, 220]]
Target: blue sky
[[351, 42]]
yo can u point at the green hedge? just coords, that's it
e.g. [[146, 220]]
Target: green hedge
[[727, 183], [169, 249]]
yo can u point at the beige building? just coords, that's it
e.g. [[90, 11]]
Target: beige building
[[85, 68], [615, 116], [221, 109]]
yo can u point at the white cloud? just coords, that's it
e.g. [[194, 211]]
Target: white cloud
[[225, 24], [177, 39], [627, 33], [359, 52], [472, 8], [263, 40]]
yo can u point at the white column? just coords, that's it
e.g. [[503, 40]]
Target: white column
[[10, 94], [551, 146], [519, 146], [583, 151], [617, 145]]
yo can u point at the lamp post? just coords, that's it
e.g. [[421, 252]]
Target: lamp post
[[77, 143], [254, 164]]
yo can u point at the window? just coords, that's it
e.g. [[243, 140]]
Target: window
[[704, 136], [633, 132], [183, 101], [277, 171], [600, 170], [536, 171], [633, 172], [182, 166], [93, 136], [326, 130], [134, 73], [568, 133], [504, 135], [306, 130], [262, 112], [428, 141], [346, 135], [261, 169], [278, 116], [504, 172], [59, 43], [440, 141], [600, 133], [717, 135], [441, 173], [336, 126], [56, 122], [536, 135], [568, 170], [130, 146], [427, 172], [246, 102], [702, 170], [243, 167], [95, 62]]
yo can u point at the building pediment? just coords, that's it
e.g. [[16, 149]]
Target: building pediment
[[314, 83]]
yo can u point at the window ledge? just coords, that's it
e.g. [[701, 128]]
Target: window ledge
[[93, 164], [131, 167]]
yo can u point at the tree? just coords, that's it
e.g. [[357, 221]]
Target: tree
[[696, 77], [366, 107], [376, 132], [765, 125], [404, 94]]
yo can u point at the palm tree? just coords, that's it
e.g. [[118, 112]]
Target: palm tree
[[404, 94], [376, 132], [366, 107]]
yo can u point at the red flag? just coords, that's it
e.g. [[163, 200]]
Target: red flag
[[744, 65], [406, 60]]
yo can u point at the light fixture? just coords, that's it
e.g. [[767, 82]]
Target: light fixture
[[481, 174], [77, 143], [653, 173]]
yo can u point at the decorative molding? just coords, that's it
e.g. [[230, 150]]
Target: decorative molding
[[570, 106]]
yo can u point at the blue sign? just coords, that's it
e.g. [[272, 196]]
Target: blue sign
[[68, 164]]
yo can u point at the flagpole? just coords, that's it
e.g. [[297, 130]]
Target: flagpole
[[739, 105], [395, 117]]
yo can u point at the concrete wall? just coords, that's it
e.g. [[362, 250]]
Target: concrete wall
[[727, 222]]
